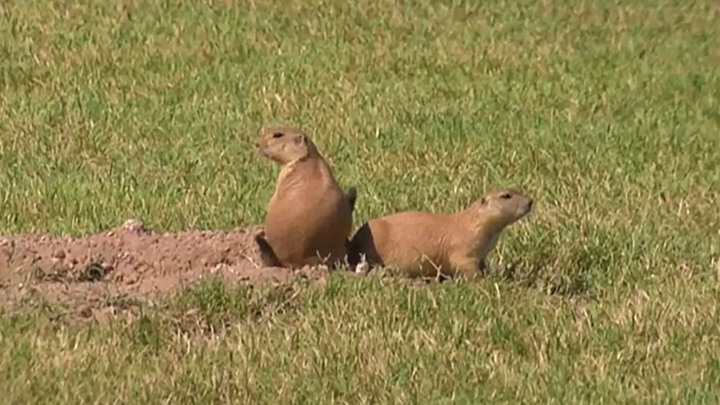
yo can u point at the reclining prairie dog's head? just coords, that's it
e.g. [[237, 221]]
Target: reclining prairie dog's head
[[502, 207], [285, 144]]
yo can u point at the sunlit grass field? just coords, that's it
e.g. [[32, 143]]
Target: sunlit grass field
[[606, 112]]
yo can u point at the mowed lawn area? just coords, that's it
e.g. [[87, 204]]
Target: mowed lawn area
[[606, 112]]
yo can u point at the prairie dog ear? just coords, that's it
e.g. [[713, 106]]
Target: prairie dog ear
[[300, 140]]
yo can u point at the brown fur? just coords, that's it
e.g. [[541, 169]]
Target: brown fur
[[422, 244], [309, 219]]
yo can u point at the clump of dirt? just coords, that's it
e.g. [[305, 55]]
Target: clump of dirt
[[130, 260]]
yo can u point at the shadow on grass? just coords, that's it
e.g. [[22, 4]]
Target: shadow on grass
[[578, 270]]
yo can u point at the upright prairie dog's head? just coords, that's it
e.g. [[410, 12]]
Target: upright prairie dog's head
[[285, 144], [502, 207]]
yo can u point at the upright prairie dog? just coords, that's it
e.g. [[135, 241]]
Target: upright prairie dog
[[421, 244], [308, 219]]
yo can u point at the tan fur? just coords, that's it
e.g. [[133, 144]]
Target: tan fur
[[420, 244], [308, 218]]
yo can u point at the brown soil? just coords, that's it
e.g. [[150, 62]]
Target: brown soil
[[129, 261]]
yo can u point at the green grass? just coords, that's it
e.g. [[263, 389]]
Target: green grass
[[607, 112]]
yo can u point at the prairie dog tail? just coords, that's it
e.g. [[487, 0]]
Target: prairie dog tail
[[351, 197], [267, 254]]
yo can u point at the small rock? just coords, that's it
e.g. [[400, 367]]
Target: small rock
[[133, 225], [363, 266]]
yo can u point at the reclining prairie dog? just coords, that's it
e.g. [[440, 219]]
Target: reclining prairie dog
[[420, 244], [309, 219]]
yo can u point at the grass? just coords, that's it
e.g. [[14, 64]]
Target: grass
[[607, 112]]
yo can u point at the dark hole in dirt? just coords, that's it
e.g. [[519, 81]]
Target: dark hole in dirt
[[93, 272]]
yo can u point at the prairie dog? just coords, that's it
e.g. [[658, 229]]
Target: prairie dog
[[308, 219], [423, 244]]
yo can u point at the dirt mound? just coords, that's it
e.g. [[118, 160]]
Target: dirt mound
[[130, 260]]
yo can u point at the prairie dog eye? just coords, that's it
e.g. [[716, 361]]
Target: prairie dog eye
[[506, 196], [278, 135]]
